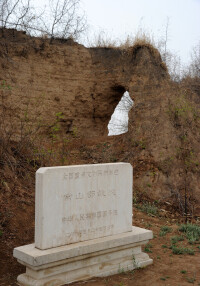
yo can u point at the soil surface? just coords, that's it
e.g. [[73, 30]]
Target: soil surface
[[167, 267]]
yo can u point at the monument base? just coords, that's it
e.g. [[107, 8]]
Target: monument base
[[84, 260]]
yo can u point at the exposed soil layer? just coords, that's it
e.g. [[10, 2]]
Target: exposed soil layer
[[84, 84]]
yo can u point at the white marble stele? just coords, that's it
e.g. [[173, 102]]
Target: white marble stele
[[78, 203], [83, 226]]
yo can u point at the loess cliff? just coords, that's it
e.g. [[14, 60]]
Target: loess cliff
[[56, 102], [84, 84]]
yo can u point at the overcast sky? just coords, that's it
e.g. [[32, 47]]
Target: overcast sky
[[119, 18], [124, 17]]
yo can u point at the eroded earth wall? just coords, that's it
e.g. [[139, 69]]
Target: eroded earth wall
[[45, 84], [81, 85]]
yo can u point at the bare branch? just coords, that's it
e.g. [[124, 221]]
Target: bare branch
[[65, 19], [62, 19], [24, 12], [10, 10], [194, 68]]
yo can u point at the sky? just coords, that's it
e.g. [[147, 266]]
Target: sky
[[120, 18]]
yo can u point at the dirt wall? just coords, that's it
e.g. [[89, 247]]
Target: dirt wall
[[82, 84], [69, 89]]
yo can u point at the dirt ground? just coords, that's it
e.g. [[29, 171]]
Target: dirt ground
[[167, 268]]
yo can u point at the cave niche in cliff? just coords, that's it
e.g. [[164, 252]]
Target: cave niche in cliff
[[119, 89], [118, 123]]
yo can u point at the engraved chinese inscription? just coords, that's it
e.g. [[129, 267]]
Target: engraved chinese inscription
[[78, 203], [92, 174], [92, 215], [90, 194]]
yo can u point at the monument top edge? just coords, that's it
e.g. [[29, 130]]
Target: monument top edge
[[44, 169]]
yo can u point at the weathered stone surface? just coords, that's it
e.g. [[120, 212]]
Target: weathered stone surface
[[78, 203], [83, 260]]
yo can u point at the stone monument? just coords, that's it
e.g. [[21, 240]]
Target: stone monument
[[83, 226]]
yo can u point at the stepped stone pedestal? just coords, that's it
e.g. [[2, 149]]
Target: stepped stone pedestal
[[83, 260], [83, 226]]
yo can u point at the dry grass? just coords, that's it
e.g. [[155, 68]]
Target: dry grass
[[103, 40], [129, 45]]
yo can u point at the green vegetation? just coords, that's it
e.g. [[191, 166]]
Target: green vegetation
[[191, 231], [182, 109], [164, 230], [148, 225], [148, 208], [56, 126], [191, 279], [176, 238], [120, 270], [141, 144], [121, 284], [135, 264], [147, 248], [164, 278], [4, 85], [182, 250], [183, 271]]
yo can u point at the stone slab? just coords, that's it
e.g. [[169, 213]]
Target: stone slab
[[101, 269], [97, 259], [33, 256], [94, 258], [80, 203]]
